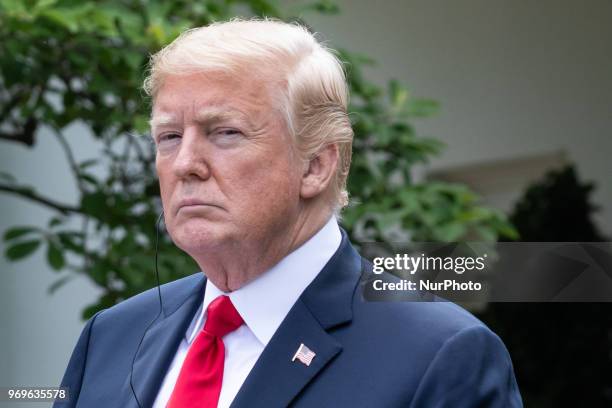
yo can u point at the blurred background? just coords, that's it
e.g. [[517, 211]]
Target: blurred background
[[483, 120]]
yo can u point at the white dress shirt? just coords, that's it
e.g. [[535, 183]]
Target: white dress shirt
[[263, 305]]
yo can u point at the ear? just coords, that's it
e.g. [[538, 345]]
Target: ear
[[319, 172]]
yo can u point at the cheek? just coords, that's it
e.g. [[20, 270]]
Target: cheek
[[165, 184], [265, 185]]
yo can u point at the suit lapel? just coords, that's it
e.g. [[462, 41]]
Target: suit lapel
[[275, 380], [161, 340]]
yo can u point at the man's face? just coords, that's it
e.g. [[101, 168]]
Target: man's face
[[227, 171]]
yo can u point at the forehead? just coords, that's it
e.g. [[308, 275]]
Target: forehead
[[215, 91]]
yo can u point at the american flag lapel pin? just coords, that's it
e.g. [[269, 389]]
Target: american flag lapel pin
[[304, 355]]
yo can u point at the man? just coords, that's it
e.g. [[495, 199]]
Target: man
[[253, 146]]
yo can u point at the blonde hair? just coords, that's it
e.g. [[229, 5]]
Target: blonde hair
[[313, 89]]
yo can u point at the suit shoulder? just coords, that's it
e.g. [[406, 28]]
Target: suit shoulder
[[145, 305], [436, 320], [436, 317]]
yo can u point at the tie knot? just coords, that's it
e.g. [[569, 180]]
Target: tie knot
[[222, 317]]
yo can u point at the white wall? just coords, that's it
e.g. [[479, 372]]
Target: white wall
[[38, 331], [514, 77]]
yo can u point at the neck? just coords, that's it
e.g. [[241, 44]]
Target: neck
[[233, 267]]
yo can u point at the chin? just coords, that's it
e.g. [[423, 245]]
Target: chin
[[199, 235]]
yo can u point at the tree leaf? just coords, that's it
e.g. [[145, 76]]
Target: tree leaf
[[89, 178], [63, 18], [21, 250], [13, 6], [17, 232], [87, 163], [90, 310], [59, 283], [54, 222], [71, 241], [55, 256], [7, 177]]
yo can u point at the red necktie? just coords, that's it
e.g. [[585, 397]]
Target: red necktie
[[199, 382]]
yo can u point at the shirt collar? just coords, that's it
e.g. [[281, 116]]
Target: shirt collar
[[264, 302]]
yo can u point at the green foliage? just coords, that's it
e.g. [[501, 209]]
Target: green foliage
[[70, 61], [22, 249], [558, 209]]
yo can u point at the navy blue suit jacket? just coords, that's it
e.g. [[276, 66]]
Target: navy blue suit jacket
[[368, 354]]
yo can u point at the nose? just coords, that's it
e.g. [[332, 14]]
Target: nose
[[191, 160]]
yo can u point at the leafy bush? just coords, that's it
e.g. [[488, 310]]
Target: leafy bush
[[70, 61]]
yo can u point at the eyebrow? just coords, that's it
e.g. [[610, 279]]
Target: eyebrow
[[205, 115], [162, 119], [217, 114]]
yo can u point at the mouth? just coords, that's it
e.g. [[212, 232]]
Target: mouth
[[189, 204]]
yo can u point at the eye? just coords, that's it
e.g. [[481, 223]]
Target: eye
[[226, 137], [167, 142], [168, 137], [227, 132]]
